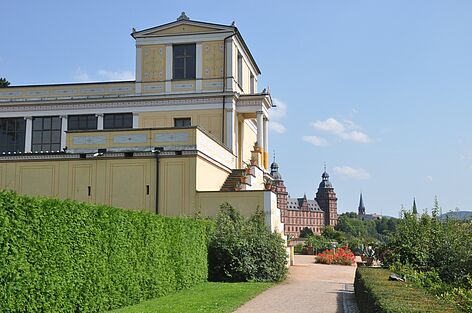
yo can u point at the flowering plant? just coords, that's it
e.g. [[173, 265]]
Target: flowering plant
[[342, 256]]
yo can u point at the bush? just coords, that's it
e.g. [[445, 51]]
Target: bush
[[375, 293], [67, 256], [244, 249], [298, 248], [336, 256]]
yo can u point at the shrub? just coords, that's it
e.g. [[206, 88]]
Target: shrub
[[298, 248], [244, 249], [67, 256], [341, 256], [375, 293]]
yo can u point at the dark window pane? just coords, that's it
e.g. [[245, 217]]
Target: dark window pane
[[179, 62], [56, 123], [56, 137], [82, 122], [46, 123], [55, 147], [118, 120], [38, 123], [184, 66], [12, 134], [182, 122]]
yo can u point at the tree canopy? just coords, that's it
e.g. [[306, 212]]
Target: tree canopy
[[4, 82]]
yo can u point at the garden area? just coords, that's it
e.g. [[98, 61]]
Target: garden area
[[68, 256], [433, 256]]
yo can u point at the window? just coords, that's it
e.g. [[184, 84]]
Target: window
[[184, 61], [46, 134], [118, 120], [12, 134], [82, 122], [182, 122], [253, 84]]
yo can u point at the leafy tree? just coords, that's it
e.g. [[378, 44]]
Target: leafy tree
[[244, 249], [305, 232], [4, 82]]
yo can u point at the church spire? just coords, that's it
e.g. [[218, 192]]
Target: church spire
[[414, 210], [361, 209]]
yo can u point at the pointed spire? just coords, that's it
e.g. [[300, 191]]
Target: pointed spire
[[414, 210], [361, 209]]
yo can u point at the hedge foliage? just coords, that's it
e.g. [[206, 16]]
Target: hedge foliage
[[244, 249], [67, 256], [375, 293]]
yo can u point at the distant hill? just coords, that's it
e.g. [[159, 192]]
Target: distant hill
[[458, 215]]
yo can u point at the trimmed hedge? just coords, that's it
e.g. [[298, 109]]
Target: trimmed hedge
[[67, 256], [375, 293]]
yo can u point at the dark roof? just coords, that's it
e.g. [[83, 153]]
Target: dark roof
[[325, 183], [274, 171], [294, 204]]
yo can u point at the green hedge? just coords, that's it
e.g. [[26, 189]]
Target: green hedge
[[375, 293], [67, 256]]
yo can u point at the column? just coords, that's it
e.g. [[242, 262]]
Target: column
[[99, 121], [135, 120], [266, 143], [63, 131], [139, 62], [168, 68], [28, 133], [260, 139], [199, 64], [230, 130]]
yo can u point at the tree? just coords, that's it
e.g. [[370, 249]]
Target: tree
[[244, 249], [4, 82], [305, 232]]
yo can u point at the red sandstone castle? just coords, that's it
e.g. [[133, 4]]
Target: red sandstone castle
[[298, 213]]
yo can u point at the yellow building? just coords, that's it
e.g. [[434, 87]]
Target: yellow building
[[178, 140]]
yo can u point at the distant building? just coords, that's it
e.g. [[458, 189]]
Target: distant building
[[298, 213], [361, 212]]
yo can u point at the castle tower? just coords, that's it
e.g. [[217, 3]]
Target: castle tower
[[280, 189], [327, 200], [361, 209]]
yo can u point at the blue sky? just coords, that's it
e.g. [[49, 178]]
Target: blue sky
[[379, 90]]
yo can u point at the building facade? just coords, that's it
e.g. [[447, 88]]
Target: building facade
[[300, 213], [166, 142]]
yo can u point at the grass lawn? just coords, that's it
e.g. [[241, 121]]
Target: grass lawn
[[207, 297]]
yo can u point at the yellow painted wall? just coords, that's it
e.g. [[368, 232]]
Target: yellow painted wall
[[246, 202], [67, 90], [210, 120], [117, 182], [210, 177], [182, 29], [212, 59], [153, 63], [250, 137], [177, 186]]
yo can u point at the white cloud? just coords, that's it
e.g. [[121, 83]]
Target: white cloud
[[467, 156], [354, 173], [277, 127], [315, 140], [276, 115], [347, 131], [280, 109], [81, 75], [116, 75], [429, 179]]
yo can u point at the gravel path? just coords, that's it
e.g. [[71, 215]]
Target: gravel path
[[310, 288]]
